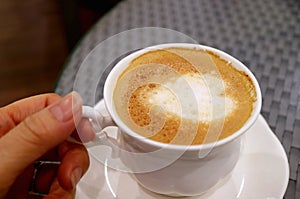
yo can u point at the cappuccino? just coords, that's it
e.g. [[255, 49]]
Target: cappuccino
[[183, 96]]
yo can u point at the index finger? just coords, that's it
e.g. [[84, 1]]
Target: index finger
[[12, 114]]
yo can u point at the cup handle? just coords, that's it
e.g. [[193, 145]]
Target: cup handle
[[101, 115], [106, 132]]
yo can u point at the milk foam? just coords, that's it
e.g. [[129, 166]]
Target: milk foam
[[193, 96], [181, 95]]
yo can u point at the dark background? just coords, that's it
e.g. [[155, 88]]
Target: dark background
[[36, 36]]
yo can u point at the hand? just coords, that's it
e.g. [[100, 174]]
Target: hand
[[36, 128]]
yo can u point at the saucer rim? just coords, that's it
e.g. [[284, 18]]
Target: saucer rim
[[273, 138], [284, 155]]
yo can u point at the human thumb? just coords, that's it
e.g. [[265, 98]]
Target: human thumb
[[37, 134]]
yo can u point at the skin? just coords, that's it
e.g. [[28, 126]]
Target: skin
[[36, 128]]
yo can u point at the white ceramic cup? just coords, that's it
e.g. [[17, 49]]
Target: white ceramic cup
[[169, 169]]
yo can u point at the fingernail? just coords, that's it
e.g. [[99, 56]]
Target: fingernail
[[76, 175], [66, 107]]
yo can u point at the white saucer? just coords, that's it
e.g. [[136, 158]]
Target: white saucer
[[261, 172]]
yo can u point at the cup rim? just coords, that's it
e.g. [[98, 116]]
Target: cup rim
[[121, 65]]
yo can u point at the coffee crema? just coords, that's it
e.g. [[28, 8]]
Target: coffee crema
[[183, 96]]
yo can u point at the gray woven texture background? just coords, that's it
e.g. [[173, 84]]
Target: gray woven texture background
[[264, 35]]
